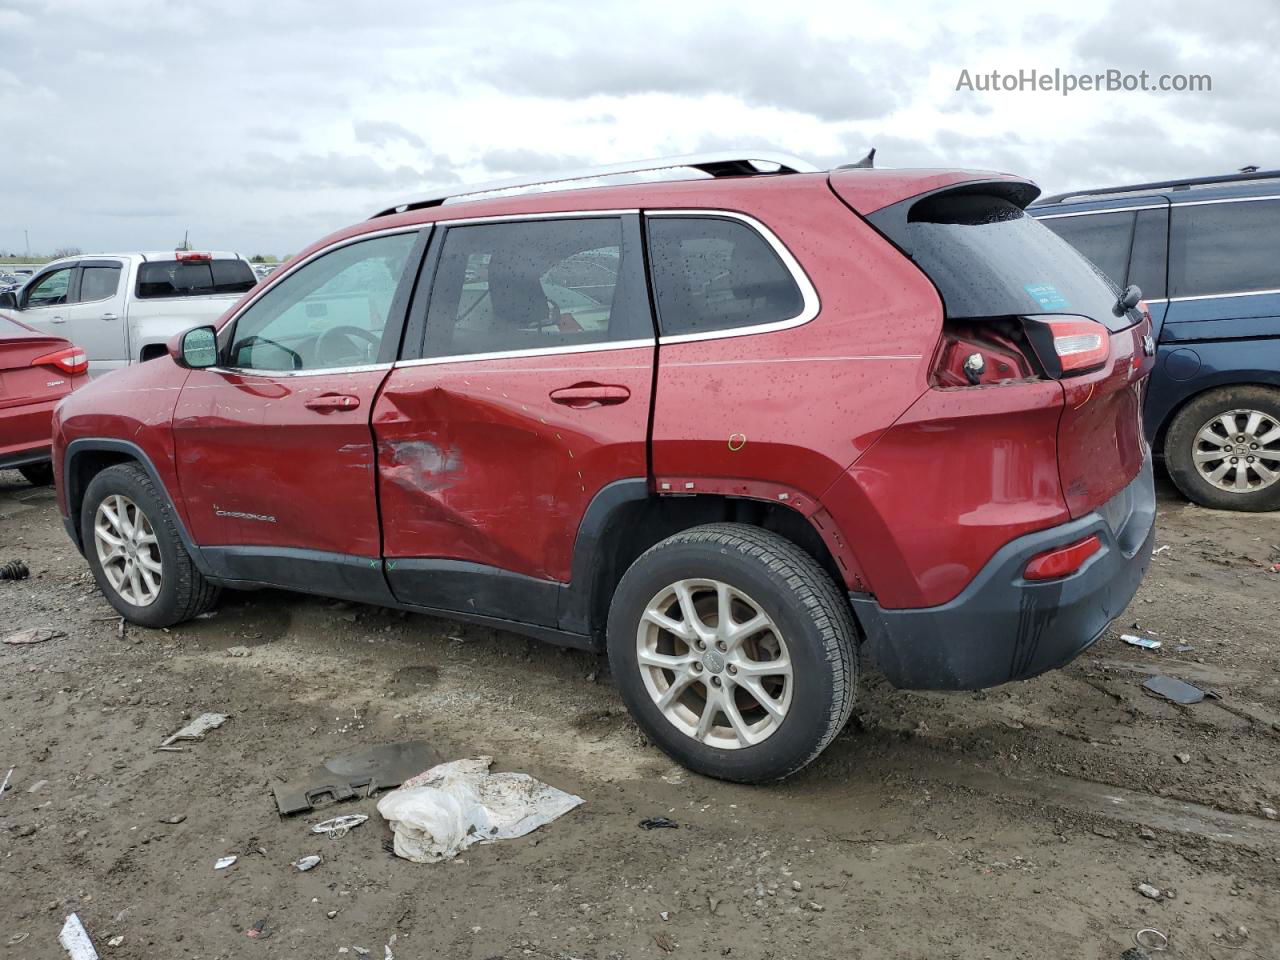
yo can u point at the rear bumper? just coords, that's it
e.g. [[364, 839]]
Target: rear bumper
[[1002, 627]]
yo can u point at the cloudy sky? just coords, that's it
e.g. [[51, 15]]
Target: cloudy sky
[[262, 126]]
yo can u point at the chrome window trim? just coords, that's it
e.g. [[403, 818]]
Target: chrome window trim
[[1091, 213], [1216, 296], [271, 374], [1202, 203], [280, 273], [810, 306], [553, 215]]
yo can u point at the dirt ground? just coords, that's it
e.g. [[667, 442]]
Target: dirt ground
[[1013, 823]]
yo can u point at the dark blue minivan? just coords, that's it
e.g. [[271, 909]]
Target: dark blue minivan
[[1206, 254]]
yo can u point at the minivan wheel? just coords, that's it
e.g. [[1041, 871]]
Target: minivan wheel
[[734, 651], [38, 474], [1223, 449], [131, 542]]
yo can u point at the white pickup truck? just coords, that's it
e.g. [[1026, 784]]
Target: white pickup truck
[[122, 308]]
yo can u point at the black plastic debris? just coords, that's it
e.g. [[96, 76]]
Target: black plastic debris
[[659, 823], [14, 570], [356, 774], [1173, 689]]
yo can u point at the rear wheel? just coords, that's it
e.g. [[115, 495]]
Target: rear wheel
[[132, 544], [1223, 449], [734, 651], [38, 474]]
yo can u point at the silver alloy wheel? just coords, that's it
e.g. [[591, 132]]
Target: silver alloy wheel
[[1238, 451], [128, 550], [715, 664]]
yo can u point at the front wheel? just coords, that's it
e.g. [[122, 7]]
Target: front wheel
[[132, 544], [1223, 449], [734, 651]]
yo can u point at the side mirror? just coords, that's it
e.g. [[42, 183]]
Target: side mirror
[[195, 349], [8, 300]]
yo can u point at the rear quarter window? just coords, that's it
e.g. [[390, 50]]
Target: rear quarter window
[[712, 274], [989, 258], [193, 278], [1224, 248]]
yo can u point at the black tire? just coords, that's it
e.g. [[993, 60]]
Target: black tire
[[183, 593], [38, 474], [1182, 441], [797, 594]]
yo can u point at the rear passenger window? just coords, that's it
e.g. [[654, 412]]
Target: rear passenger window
[[1104, 238], [1222, 248], [536, 285], [714, 274], [98, 283]]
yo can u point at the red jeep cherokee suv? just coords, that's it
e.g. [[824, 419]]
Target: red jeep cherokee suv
[[744, 432]]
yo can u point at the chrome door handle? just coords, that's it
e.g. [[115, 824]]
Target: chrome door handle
[[57, 320], [109, 316]]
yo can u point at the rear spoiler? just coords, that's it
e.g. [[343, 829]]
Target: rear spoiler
[[891, 221]]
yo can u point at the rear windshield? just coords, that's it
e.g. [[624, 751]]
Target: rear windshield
[[193, 278], [990, 258]]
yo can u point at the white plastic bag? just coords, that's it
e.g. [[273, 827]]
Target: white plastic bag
[[441, 812]]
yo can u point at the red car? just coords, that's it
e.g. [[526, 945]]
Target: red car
[[36, 371], [746, 432]]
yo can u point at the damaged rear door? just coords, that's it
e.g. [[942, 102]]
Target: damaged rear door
[[274, 449], [528, 393]]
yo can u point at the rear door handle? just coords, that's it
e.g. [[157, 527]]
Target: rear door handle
[[57, 320], [583, 395], [109, 316], [332, 401]]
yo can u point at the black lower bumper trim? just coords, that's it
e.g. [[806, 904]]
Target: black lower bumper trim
[[1002, 627]]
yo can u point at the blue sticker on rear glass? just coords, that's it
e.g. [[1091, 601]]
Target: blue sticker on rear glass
[[1047, 296]]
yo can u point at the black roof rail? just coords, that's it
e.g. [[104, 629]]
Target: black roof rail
[[1164, 185]]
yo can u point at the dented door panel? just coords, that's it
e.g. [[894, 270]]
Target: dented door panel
[[477, 462]]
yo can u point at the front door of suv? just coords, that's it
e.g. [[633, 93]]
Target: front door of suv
[[530, 394], [274, 451]]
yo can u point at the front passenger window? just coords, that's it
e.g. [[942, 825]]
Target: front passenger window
[[331, 312]]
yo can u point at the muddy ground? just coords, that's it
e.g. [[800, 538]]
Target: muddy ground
[[1011, 823]]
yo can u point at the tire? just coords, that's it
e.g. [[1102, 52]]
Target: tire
[[1255, 413], [180, 591], [38, 474], [809, 620]]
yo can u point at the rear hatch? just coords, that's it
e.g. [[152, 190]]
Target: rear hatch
[[1022, 304], [34, 367]]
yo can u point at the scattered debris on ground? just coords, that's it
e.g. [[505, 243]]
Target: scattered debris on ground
[[442, 811], [659, 823], [1145, 642], [33, 635], [14, 570], [196, 729], [1173, 689], [75, 940], [342, 777]]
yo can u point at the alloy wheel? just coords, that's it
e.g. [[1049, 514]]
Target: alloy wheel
[[1238, 451], [715, 663], [128, 550]]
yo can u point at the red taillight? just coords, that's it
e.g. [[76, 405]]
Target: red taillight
[[190, 255], [971, 357], [1063, 561], [1080, 344], [70, 360]]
